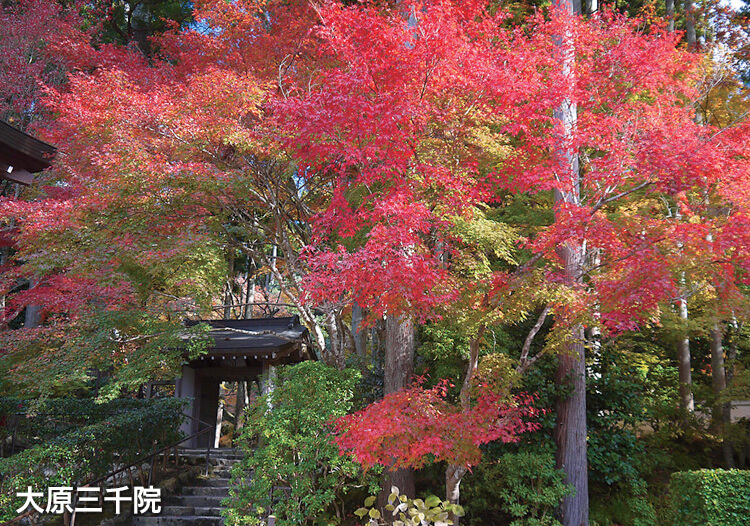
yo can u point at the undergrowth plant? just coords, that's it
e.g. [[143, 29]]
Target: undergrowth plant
[[292, 468]]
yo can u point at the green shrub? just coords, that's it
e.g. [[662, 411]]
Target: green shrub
[[91, 451], [623, 503], [40, 420], [710, 497], [295, 471], [525, 488]]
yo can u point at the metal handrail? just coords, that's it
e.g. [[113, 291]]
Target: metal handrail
[[152, 456]]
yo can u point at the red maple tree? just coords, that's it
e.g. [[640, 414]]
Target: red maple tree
[[414, 425]]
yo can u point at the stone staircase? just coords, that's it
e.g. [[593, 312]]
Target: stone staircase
[[200, 503]]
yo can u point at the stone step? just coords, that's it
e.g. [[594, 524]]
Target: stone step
[[196, 501], [208, 512], [220, 453], [217, 482], [200, 503], [177, 511], [206, 490], [224, 463], [186, 511], [178, 520]]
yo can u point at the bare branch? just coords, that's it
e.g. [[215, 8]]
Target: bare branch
[[603, 201], [524, 362]]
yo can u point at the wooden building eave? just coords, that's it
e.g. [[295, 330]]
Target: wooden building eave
[[22, 155]]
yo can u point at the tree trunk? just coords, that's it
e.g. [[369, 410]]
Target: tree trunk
[[690, 25], [228, 294], [721, 417], [399, 353], [270, 275], [219, 420], [718, 375], [4, 255], [454, 473], [398, 370], [670, 14], [377, 342], [33, 316], [334, 355], [729, 370], [590, 7], [399, 367], [359, 334], [687, 404], [570, 427], [453, 476], [242, 402], [249, 293]]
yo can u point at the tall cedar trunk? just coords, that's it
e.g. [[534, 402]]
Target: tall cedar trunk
[[454, 473], [242, 402], [722, 412], [247, 312], [377, 342], [33, 313], [358, 333], [729, 370], [228, 294], [33, 316], [334, 355], [685, 376], [669, 4], [570, 427], [399, 367], [399, 353], [270, 275], [219, 418], [398, 370], [4, 255], [718, 375], [690, 25]]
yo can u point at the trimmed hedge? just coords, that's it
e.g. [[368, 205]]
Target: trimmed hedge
[[710, 497]]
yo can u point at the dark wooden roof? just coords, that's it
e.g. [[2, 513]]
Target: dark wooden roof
[[22, 151], [266, 338]]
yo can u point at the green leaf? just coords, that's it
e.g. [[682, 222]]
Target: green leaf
[[361, 512], [369, 501], [432, 501], [374, 514]]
